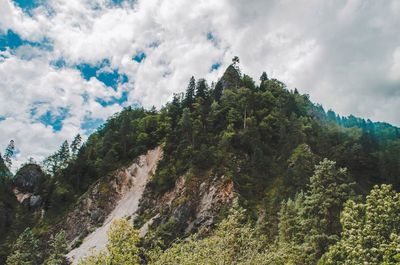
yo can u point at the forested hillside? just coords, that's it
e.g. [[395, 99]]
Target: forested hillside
[[305, 180]]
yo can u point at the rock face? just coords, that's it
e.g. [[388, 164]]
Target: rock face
[[231, 78], [193, 207], [29, 178], [87, 225]]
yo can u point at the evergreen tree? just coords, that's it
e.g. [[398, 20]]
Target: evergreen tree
[[4, 171], [75, 145], [25, 250], [59, 160], [8, 153], [186, 125], [330, 187], [301, 164], [263, 77], [190, 94], [58, 250], [64, 154], [371, 231], [217, 92], [290, 223], [202, 89]]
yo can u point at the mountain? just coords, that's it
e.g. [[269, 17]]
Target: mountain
[[180, 171]]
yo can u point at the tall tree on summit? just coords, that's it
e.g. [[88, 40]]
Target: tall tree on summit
[[75, 145], [8, 153], [190, 93]]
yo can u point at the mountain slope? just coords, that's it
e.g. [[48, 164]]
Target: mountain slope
[[259, 143], [125, 190]]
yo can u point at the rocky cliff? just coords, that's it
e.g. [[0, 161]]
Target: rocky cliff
[[191, 206], [116, 196]]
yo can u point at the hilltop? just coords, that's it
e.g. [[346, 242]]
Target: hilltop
[[235, 144]]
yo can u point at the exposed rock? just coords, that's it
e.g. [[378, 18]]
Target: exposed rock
[[89, 222], [28, 200], [145, 228], [231, 78], [193, 208], [21, 196], [35, 201], [29, 178]]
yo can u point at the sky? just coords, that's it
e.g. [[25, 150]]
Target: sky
[[65, 66]]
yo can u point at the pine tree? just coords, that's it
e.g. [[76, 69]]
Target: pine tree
[[202, 89], [64, 154], [75, 145], [218, 90], [186, 125], [290, 223], [8, 153], [301, 164], [25, 250], [190, 94], [330, 187], [59, 160], [4, 171], [263, 77], [371, 231], [58, 250]]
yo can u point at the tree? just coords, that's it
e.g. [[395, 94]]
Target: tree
[[59, 160], [218, 90], [186, 125], [58, 250], [25, 250], [121, 248], [4, 170], [64, 154], [190, 93], [202, 89], [290, 224], [75, 145], [51, 164], [371, 231], [263, 77], [330, 187], [8, 153], [301, 164]]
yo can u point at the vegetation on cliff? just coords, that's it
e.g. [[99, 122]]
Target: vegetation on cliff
[[293, 166]]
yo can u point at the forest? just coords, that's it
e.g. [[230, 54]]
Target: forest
[[311, 186]]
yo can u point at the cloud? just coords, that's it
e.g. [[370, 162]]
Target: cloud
[[93, 57], [395, 68]]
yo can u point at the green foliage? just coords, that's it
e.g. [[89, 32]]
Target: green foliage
[[308, 225], [265, 138], [58, 250], [330, 187], [121, 248], [75, 145], [233, 242], [370, 231], [8, 153], [25, 250], [300, 166]]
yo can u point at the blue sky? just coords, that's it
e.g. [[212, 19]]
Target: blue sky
[[66, 66]]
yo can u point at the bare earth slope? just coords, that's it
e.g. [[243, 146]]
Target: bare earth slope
[[137, 175]]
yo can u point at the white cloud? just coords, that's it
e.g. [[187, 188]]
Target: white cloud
[[395, 68], [345, 54]]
